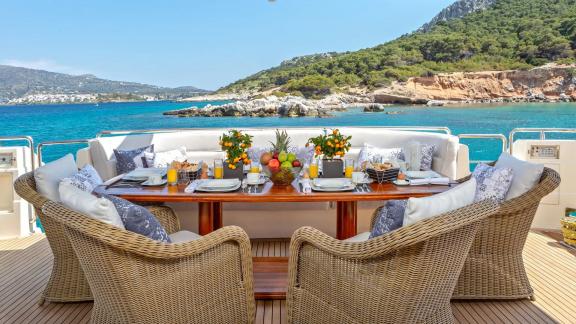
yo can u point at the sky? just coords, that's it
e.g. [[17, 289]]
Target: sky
[[206, 44]]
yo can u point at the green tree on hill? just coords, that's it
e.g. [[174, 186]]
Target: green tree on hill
[[511, 34]]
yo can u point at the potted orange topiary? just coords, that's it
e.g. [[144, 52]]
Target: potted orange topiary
[[235, 144], [332, 147]]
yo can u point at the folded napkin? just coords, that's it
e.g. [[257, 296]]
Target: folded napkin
[[192, 186], [430, 181], [306, 186], [422, 174], [114, 179]]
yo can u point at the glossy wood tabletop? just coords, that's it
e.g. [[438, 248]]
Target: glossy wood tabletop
[[270, 193]]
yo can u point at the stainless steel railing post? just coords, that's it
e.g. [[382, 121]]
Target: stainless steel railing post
[[500, 137]]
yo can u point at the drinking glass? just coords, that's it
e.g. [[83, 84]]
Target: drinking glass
[[313, 170], [254, 167], [172, 175], [218, 169], [348, 168]]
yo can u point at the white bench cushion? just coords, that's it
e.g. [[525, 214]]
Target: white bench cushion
[[183, 237]]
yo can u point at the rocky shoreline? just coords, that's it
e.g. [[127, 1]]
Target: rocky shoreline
[[272, 106], [546, 84]]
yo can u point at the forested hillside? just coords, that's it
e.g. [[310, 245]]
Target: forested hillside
[[510, 34]]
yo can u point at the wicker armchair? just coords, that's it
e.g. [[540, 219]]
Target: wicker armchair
[[405, 276], [138, 280], [67, 282], [494, 268]]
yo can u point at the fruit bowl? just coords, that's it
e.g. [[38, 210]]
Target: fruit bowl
[[282, 178]]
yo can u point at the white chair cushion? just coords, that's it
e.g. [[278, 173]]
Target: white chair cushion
[[183, 237], [85, 203], [358, 238], [48, 176], [526, 174], [419, 209]]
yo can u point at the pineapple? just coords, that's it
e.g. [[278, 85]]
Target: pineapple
[[282, 142]]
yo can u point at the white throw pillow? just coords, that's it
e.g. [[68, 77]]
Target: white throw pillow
[[48, 176], [419, 156], [163, 159], [87, 179], [85, 203], [526, 174], [374, 154], [419, 209]]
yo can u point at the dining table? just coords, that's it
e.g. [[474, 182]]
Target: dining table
[[270, 273]]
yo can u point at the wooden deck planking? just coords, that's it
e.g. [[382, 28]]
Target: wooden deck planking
[[25, 267]]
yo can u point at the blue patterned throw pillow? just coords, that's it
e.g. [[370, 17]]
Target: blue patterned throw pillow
[[139, 220], [427, 157], [87, 179], [127, 161], [390, 218], [491, 182]]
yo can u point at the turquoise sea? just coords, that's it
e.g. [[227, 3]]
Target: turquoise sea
[[57, 122]]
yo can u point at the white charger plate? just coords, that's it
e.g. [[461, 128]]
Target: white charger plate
[[212, 189], [333, 189], [148, 184], [336, 183]]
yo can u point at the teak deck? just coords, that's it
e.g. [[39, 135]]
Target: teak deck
[[25, 266]]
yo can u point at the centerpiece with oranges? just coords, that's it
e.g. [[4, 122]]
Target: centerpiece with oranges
[[235, 144], [332, 147]]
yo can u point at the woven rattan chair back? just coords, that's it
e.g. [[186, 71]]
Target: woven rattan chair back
[[67, 282], [138, 280], [494, 268], [405, 276]]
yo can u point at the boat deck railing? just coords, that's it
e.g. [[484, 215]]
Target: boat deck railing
[[61, 142], [499, 137], [541, 131], [506, 142], [438, 129]]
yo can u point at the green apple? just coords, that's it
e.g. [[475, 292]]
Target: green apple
[[291, 157], [282, 157], [286, 165]]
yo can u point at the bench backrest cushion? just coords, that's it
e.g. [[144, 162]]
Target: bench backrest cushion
[[203, 144]]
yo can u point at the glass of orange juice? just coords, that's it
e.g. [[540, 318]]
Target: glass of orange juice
[[348, 168], [218, 169], [254, 167], [172, 175], [313, 169]]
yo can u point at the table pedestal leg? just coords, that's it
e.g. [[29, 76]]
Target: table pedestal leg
[[209, 217], [346, 212], [217, 215]]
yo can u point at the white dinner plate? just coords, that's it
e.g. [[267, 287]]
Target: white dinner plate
[[335, 183], [333, 189], [148, 184], [219, 183], [212, 189]]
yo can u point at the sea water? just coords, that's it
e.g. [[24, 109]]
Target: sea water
[[82, 121]]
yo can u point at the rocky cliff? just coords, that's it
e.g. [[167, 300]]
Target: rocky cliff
[[547, 84], [456, 10]]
